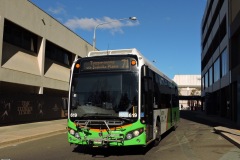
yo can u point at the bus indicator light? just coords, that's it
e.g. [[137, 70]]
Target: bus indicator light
[[133, 62], [77, 65]]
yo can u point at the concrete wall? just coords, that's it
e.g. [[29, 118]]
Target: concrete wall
[[188, 85], [19, 66], [225, 81]]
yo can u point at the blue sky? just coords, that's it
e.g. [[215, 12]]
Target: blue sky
[[167, 31]]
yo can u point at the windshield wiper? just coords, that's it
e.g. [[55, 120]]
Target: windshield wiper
[[125, 119], [95, 114], [105, 116]]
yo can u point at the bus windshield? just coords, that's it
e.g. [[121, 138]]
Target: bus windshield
[[104, 95]]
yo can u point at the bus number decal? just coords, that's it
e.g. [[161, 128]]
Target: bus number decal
[[73, 115], [132, 115]]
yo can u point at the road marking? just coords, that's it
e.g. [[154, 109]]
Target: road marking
[[162, 148], [233, 154], [186, 147]]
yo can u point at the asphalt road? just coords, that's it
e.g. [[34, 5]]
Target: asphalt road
[[192, 140]]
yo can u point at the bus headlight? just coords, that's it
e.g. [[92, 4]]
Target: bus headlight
[[129, 136], [134, 133], [72, 132], [77, 135]]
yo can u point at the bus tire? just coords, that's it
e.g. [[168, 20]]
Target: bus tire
[[175, 122], [174, 127], [158, 133]]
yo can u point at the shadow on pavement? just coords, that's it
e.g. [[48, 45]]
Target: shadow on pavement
[[195, 116], [203, 118], [117, 151], [112, 151]]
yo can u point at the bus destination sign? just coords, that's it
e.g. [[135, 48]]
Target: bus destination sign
[[106, 64]]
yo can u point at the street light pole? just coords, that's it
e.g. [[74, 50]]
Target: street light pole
[[94, 33]]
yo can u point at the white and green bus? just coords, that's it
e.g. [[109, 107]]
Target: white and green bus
[[118, 98]]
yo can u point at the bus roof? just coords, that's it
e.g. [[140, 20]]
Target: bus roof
[[114, 52], [132, 51]]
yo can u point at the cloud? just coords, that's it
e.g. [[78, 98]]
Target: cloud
[[114, 25], [59, 9]]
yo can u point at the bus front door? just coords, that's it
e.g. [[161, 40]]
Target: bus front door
[[147, 101]]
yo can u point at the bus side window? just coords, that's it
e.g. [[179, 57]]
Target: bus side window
[[145, 84], [148, 84]]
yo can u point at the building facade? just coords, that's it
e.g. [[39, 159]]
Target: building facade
[[36, 53], [220, 58], [188, 85]]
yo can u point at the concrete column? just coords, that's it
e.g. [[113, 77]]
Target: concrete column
[[40, 90], [41, 54], [41, 60]]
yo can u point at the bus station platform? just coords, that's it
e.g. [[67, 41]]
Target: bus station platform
[[13, 134]]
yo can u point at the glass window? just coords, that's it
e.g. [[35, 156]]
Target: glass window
[[224, 64], [114, 94], [216, 70], [19, 36], [58, 54], [203, 84], [210, 78], [206, 80]]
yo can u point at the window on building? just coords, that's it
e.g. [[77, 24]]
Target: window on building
[[216, 70], [203, 84], [210, 72], [19, 36], [58, 54], [235, 49], [224, 62], [206, 80], [217, 39]]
